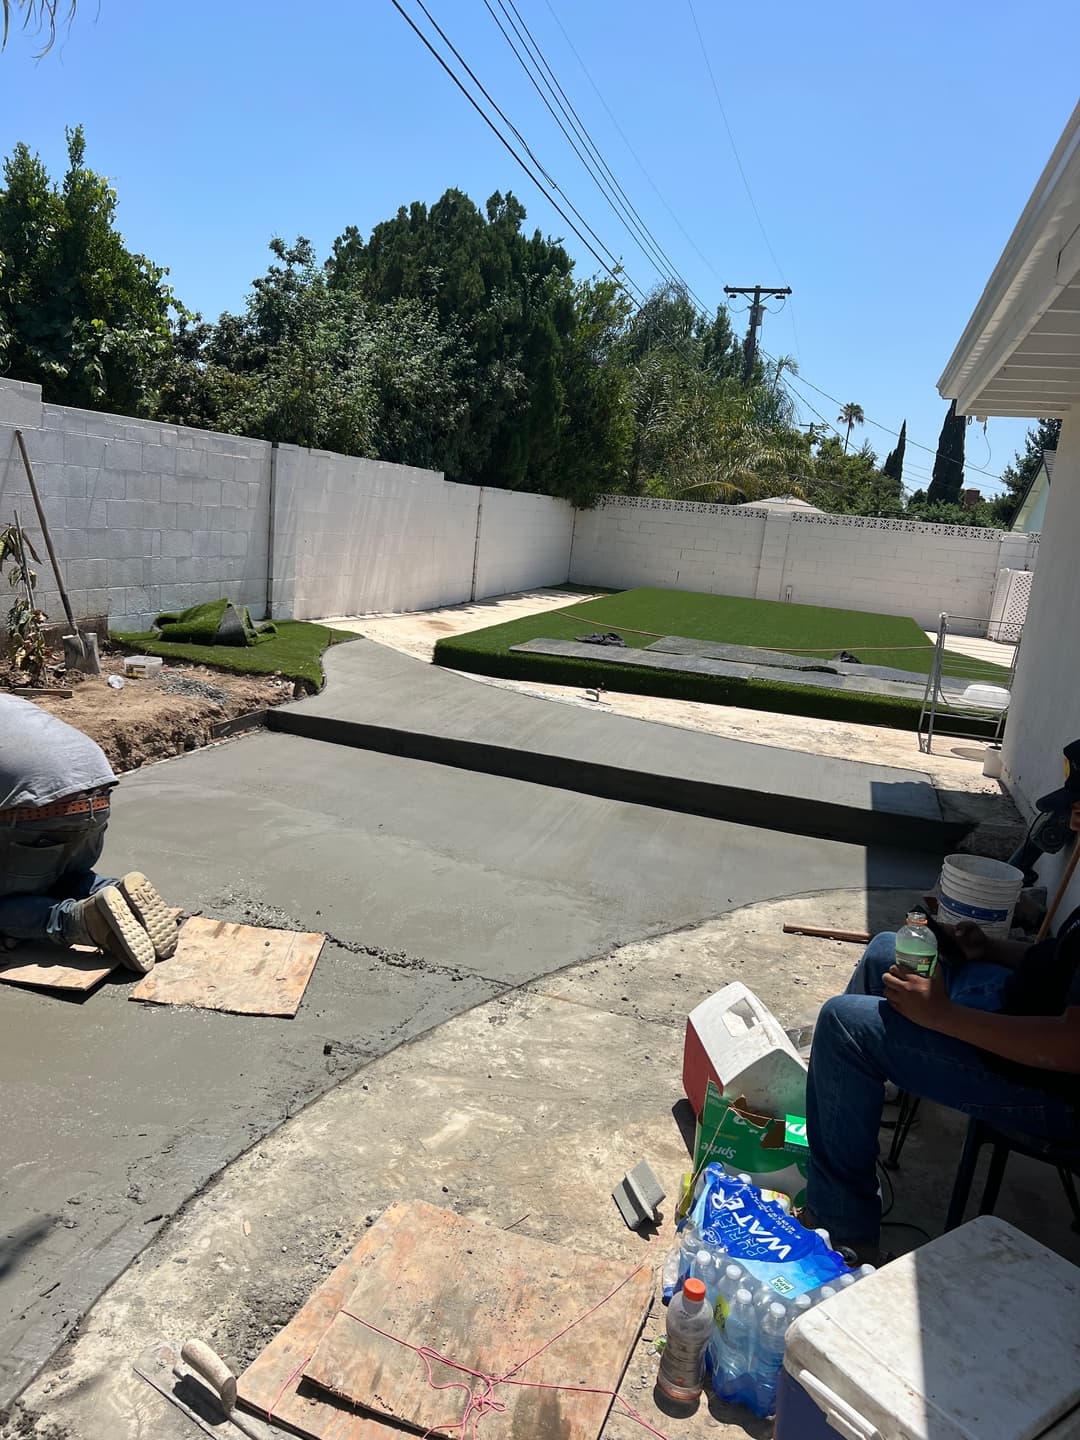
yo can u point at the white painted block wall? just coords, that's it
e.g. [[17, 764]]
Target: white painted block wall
[[524, 542], [365, 536], [894, 567], [145, 517]]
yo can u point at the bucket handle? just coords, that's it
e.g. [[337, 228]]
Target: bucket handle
[[843, 1418]]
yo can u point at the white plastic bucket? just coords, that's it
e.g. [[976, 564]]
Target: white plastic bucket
[[982, 890]]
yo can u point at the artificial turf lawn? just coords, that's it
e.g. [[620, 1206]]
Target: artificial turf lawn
[[815, 630], [295, 651]]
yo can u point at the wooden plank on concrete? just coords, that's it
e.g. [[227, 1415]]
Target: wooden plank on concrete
[[240, 968], [47, 967], [488, 1300], [273, 1385]]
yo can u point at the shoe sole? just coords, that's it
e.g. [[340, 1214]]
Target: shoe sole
[[128, 940], [151, 912]]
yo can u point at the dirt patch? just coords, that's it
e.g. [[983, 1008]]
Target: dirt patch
[[154, 719]]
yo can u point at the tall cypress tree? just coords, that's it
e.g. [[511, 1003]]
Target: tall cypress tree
[[894, 463], [948, 476]]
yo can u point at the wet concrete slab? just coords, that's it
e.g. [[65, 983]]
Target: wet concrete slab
[[439, 889], [381, 700]]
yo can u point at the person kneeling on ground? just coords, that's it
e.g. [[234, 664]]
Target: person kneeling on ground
[[994, 1034], [54, 810]]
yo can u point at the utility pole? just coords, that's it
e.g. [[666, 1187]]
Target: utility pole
[[757, 310]]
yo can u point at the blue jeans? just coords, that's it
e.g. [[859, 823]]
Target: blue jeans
[[45, 867], [860, 1041]]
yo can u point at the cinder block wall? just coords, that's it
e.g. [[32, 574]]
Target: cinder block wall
[[524, 542], [149, 517], [145, 517], [895, 567], [363, 536]]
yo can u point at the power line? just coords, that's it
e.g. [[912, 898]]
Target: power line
[[626, 141], [930, 449], [731, 138], [598, 169], [612, 268]]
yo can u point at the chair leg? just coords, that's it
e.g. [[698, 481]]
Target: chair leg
[[965, 1175], [1068, 1184], [905, 1118], [994, 1176]]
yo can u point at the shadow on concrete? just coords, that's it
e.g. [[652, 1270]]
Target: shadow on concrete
[[21, 1240]]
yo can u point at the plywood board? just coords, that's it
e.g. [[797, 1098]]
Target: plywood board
[[240, 968], [488, 1300], [47, 967], [273, 1385]]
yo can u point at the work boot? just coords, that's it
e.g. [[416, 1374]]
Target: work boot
[[152, 913], [107, 921]]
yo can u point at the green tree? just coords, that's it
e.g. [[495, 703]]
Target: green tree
[[894, 461], [850, 416], [947, 478], [80, 314]]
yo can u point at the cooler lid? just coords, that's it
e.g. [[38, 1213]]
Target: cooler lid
[[976, 1336]]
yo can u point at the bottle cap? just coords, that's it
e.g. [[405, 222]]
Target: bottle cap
[[917, 917], [777, 1310], [744, 1297], [733, 1272], [694, 1290]]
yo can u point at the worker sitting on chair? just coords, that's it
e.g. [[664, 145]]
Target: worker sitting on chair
[[54, 809], [995, 1034]]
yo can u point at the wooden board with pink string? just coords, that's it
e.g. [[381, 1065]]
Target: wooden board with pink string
[[454, 1328]]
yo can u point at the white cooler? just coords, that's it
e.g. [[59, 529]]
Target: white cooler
[[974, 1337]]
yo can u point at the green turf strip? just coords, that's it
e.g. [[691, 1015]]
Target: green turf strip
[[296, 651], [816, 630]]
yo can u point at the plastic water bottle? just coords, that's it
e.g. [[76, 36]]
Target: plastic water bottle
[[768, 1358], [764, 1296], [670, 1273], [916, 946], [689, 1245], [737, 1348], [705, 1271], [799, 1306], [727, 1287], [845, 1282], [689, 1329]]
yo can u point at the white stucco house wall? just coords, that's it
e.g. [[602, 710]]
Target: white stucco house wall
[[1020, 355]]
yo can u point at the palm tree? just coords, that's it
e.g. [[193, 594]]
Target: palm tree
[[850, 415], [36, 14]]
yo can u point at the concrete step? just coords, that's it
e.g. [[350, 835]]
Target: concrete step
[[378, 699]]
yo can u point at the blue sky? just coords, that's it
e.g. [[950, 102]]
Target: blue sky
[[889, 150]]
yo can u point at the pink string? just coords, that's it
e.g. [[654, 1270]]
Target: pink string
[[480, 1398]]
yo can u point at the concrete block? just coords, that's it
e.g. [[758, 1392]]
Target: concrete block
[[123, 455], [87, 574], [231, 517], [106, 484], [142, 485], [206, 542], [234, 542], [88, 450], [207, 492], [220, 466], [179, 543], [190, 462], [159, 459], [177, 489], [129, 570], [194, 517]]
